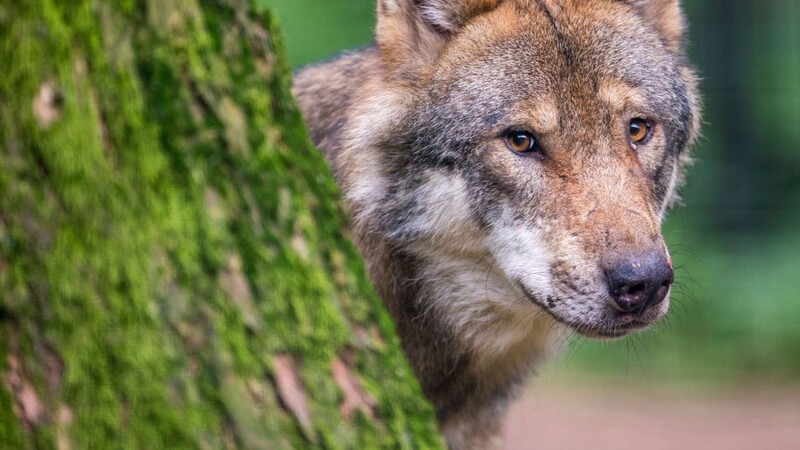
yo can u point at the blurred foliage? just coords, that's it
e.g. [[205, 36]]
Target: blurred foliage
[[316, 29], [736, 240]]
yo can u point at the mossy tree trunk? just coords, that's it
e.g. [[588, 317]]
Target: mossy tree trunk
[[172, 269]]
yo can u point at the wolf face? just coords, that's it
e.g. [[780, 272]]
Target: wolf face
[[549, 136], [507, 165]]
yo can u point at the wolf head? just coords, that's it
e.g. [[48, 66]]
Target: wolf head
[[545, 137]]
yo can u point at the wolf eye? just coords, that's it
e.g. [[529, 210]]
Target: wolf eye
[[520, 141], [640, 130]]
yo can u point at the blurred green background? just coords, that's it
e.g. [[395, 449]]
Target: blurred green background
[[736, 241]]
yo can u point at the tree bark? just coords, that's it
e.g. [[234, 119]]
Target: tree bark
[[172, 268]]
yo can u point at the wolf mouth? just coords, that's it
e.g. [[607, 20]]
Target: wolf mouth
[[609, 332], [621, 326]]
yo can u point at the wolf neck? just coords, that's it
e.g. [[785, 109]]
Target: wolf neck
[[470, 353], [495, 333]]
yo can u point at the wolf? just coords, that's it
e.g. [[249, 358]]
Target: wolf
[[507, 165]]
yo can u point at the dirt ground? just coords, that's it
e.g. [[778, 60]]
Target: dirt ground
[[576, 416]]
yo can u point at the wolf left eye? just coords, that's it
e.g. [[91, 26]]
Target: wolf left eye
[[640, 130], [521, 142]]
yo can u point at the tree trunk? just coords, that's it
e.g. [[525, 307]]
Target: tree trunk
[[172, 268]]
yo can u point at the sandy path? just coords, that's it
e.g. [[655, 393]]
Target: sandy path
[[562, 417]]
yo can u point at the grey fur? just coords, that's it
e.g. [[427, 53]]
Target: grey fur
[[447, 218]]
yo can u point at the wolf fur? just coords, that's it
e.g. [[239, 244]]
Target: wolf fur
[[483, 256]]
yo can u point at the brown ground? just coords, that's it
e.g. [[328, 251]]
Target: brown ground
[[564, 417]]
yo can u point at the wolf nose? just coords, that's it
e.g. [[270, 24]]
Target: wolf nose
[[640, 281]]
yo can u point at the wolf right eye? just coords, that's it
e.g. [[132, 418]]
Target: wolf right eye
[[521, 142], [640, 131]]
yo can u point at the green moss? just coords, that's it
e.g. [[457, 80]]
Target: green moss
[[178, 159], [10, 434]]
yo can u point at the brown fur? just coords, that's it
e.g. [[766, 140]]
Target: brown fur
[[483, 256]]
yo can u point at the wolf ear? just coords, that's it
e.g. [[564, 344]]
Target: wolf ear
[[411, 33], [666, 17]]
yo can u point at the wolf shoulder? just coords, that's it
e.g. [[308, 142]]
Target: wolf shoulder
[[328, 93]]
